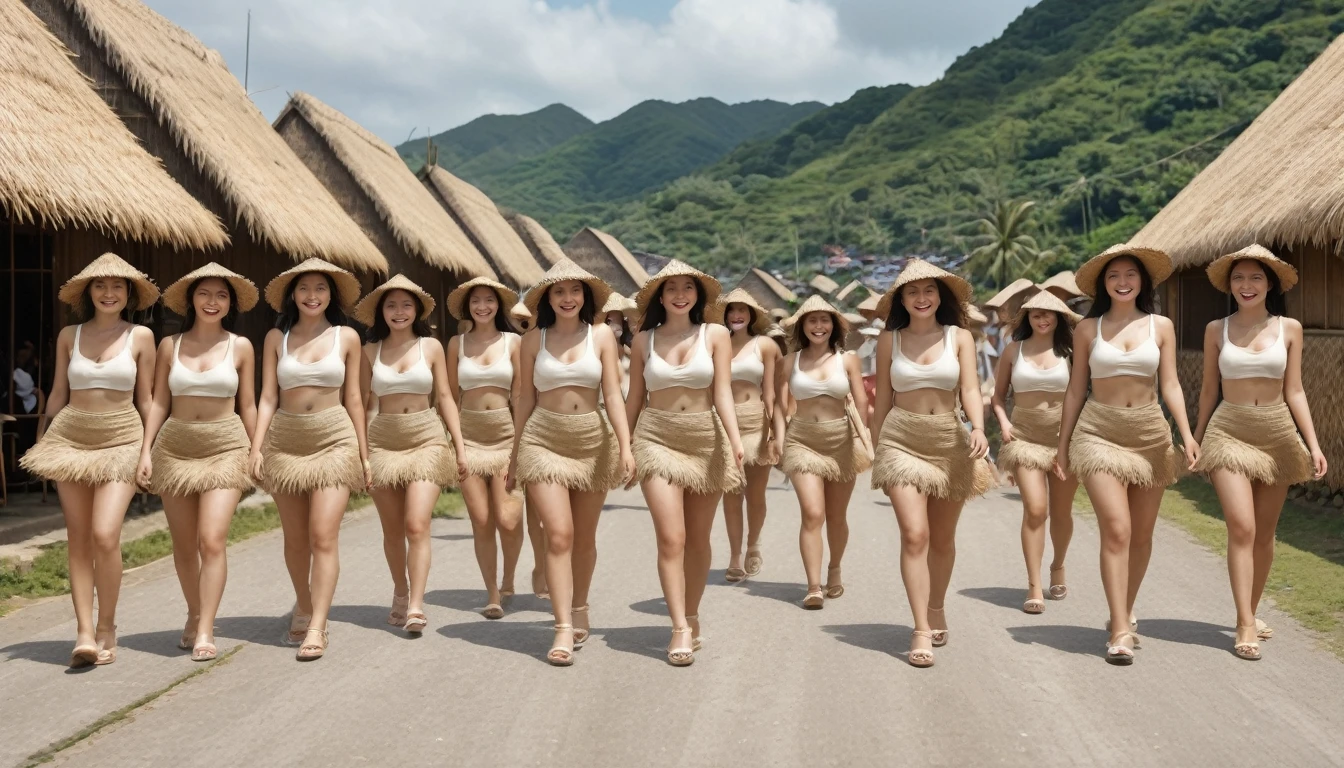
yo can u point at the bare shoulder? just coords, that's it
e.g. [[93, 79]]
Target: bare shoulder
[[166, 344], [965, 337], [1164, 323], [273, 337], [141, 334], [717, 332], [531, 340], [769, 349], [640, 341], [242, 345], [602, 333], [349, 335], [1291, 325], [451, 344], [1011, 349]]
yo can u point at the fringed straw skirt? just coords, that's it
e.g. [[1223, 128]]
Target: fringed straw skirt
[[755, 433], [1258, 442], [828, 449], [197, 456], [688, 450], [1035, 439], [408, 447], [88, 448], [488, 438], [574, 450], [1133, 445], [309, 451], [930, 453]]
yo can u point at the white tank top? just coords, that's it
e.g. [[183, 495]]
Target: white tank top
[[473, 375], [327, 372], [1028, 378], [220, 380], [549, 373], [749, 367], [804, 387], [117, 374], [943, 373], [1236, 362], [1107, 360], [416, 380], [695, 373]]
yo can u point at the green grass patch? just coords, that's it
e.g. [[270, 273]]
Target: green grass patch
[[450, 505]]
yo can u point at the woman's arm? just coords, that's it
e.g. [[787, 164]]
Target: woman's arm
[[854, 370], [1003, 379], [1208, 391], [145, 369], [526, 397], [972, 401], [1076, 395], [1296, 396], [784, 395], [366, 379], [60, 386], [246, 360], [769, 358], [1171, 388], [447, 405], [634, 401], [721, 348], [882, 390], [269, 400], [450, 363], [160, 405], [355, 362], [609, 352]]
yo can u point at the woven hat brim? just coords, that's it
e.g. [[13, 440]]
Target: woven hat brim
[[1046, 300], [110, 265], [347, 285], [718, 313], [367, 308], [675, 268], [1155, 262], [175, 296], [458, 298], [1220, 271], [960, 288], [564, 271], [818, 304]]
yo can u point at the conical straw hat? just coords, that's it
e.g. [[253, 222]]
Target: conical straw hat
[[675, 268], [1220, 271], [1043, 299], [1063, 285], [1157, 263], [818, 304], [110, 265], [175, 295], [975, 316], [520, 312], [367, 307], [868, 307], [458, 298], [617, 303], [563, 270], [347, 285], [918, 269], [717, 312]]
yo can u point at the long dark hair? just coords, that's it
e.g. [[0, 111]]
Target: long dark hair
[[1275, 303], [380, 329], [546, 313], [289, 310], [751, 317], [1063, 340], [656, 315], [1146, 301], [949, 310], [798, 338], [230, 318], [501, 321], [86, 310]]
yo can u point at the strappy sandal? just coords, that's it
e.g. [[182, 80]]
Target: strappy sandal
[[698, 640], [107, 654], [581, 633], [1263, 630], [1246, 649], [681, 657], [559, 655], [1033, 605], [939, 635], [1121, 655], [734, 575], [1057, 591], [493, 611], [188, 638], [754, 561], [313, 651], [298, 628], [204, 652], [834, 589], [416, 621], [83, 656], [397, 616], [920, 657], [505, 596], [815, 600]]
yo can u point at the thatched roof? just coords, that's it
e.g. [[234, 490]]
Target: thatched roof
[[223, 133], [417, 222], [604, 256], [823, 284], [780, 291], [849, 290], [487, 228], [1280, 183], [545, 251], [66, 160]]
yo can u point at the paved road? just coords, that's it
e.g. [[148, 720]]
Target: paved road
[[775, 685]]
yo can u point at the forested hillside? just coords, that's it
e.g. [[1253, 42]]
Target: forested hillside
[[493, 143]]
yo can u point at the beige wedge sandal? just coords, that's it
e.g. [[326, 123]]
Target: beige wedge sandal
[[920, 657], [560, 655], [681, 657]]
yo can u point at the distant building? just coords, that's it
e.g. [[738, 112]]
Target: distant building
[[604, 256]]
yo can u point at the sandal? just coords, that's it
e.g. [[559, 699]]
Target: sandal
[[204, 652], [754, 561], [1057, 591], [834, 588], [397, 616], [560, 655], [541, 592], [493, 611], [298, 628], [185, 642], [1247, 649], [734, 575], [83, 656], [1119, 654], [416, 621], [698, 640], [313, 651], [505, 596], [920, 657], [581, 633], [815, 600], [107, 650], [681, 657], [939, 635], [1263, 630], [1034, 605]]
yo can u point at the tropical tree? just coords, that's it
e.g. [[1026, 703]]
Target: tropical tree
[[1004, 245]]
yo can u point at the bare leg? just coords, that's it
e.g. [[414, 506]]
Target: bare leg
[[733, 523], [77, 508], [509, 511], [537, 537], [298, 554], [1111, 504], [216, 512], [1032, 485], [811, 492], [1144, 504], [182, 513], [757, 480], [943, 517], [912, 515], [476, 493], [666, 506], [391, 505], [837, 521], [1268, 507], [1234, 494], [699, 525], [419, 505], [551, 503], [1061, 525], [324, 532], [109, 509], [587, 511]]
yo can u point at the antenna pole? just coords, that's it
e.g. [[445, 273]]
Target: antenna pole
[[247, 55]]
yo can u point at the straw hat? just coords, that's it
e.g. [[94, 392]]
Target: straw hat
[[868, 307], [1063, 285], [818, 304], [975, 316], [368, 306], [347, 285], [1220, 271], [775, 332], [175, 295], [676, 268], [918, 269], [563, 270], [1044, 299], [779, 314], [520, 312], [110, 265], [718, 311], [457, 300], [1156, 262], [617, 303]]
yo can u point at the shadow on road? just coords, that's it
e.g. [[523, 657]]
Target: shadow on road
[[454, 537], [615, 507], [1186, 632], [1004, 597], [650, 642], [654, 606], [532, 638], [54, 652], [469, 600], [785, 592], [1088, 641], [367, 616], [887, 639]]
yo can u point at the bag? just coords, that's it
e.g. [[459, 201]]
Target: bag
[[863, 442]]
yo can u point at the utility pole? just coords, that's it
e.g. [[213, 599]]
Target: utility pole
[[247, 55]]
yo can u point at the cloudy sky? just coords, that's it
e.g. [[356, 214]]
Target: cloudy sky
[[403, 65]]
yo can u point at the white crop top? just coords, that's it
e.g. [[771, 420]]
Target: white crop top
[[749, 367], [473, 375], [327, 372], [804, 387], [549, 373], [1236, 362], [943, 373], [1028, 378], [1106, 360], [219, 380], [117, 374], [416, 380], [695, 373]]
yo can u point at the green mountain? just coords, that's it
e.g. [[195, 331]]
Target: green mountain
[[493, 143]]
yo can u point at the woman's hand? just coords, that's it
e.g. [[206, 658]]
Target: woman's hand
[[775, 452], [1318, 461], [738, 454], [1007, 434], [461, 464], [1061, 468], [144, 472], [255, 462], [511, 476], [628, 468], [1191, 454], [368, 475], [979, 444]]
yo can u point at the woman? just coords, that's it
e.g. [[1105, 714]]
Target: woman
[[1249, 444], [825, 443], [481, 367], [309, 448], [100, 399], [1117, 441], [754, 363], [927, 463], [686, 445], [616, 314], [1035, 367], [197, 437], [565, 453], [410, 458]]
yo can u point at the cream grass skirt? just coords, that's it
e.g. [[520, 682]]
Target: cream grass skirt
[[930, 453], [688, 450], [828, 449], [192, 457], [488, 438], [88, 448], [575, 450], [311, 451], [1258, 442], [1133, 445], [409, 447], [1035, 439], [755, 433]]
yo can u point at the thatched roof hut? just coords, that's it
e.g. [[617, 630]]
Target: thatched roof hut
[[478, 217], [823, 285], [766, 289], [604, 256], [851, 290], [545, 251]]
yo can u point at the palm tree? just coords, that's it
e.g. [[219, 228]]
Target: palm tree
[[1004, 245]]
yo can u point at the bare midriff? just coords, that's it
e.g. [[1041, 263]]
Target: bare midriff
[[568, 400], [821, 408], [1124, 391], [681, 400], [403, 403], [189, 408], [927, 401], [1037, 401], [746, 392], [485, 399], [101, 400], [309, 399]]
